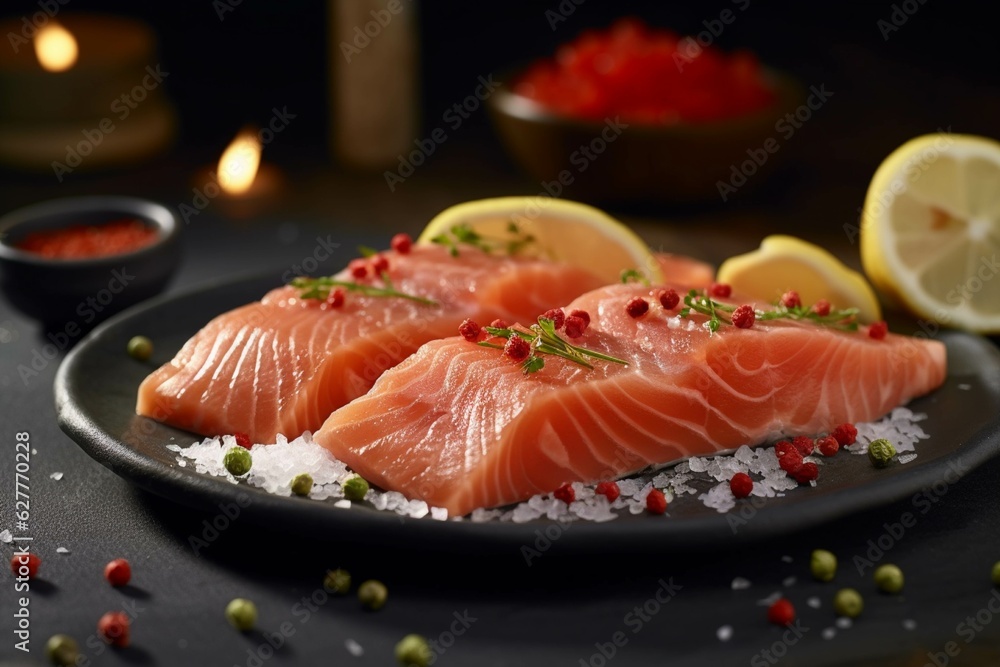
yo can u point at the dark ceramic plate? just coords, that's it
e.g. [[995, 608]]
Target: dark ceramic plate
[[95, 393]]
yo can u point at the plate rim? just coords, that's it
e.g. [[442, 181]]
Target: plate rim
[[185, 486]]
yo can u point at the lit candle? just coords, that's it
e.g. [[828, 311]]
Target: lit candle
[[81, 91], [240, 182]]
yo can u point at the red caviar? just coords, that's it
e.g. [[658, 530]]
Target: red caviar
[[470, 330], [720, 290], [243, 440], [791, 299], [516, 348], [401, 243], [118, 572], [557, 316], [83, 241], [845, 434], [821, 308], [781, 612], [609, 490], [744, 317], [668, 299], [565, 493], [335, 299], [358, 267], [656, 502], [575, 326], [827, 445], [113, 628], [636, 307], [29, 562], [878, 330], [741, 485], [646, 75]]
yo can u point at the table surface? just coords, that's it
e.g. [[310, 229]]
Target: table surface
[[562, 609]]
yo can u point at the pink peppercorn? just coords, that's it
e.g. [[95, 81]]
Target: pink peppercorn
[[565, 493], [118, 572], [609, 490], [845, 433], [575, 326], [557, 316], [636, 307], [668, 299], [470, 330], [401, 243], [656, 502], [582, 314], [741, 485], [516, 348], [744, 316], [821, 308], [720, 290], [878, 330], [827, 445], [805, 473], [791, 299]]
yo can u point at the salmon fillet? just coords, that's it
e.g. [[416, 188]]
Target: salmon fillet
[[282, 365], [462, 427]]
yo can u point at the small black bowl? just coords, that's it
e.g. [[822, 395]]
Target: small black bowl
[[85, 291]]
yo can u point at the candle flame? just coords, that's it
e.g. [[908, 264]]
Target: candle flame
[[56, 48], [239, 163]]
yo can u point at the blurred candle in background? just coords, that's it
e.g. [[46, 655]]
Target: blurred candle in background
[[373, 80], [81, 91]]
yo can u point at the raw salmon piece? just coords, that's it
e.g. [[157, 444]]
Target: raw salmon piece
[[461, 427], [282, 365]]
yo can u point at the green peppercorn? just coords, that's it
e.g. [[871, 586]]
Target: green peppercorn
[[372, 594], [302, 484], [237, 461], [413, 651], [62, 650], [823, 565], [889, 578], [355, 488], [848, 602], [337, 581], [241, 614], [881, 452], [996, 573], [140, 348]]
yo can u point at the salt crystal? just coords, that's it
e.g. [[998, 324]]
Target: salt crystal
[[56, 476], [744, 454], [342, 503], [62, 550], [6, 537], [725, 633], [182, 463], [439, 513], [354, 648], [739, 584], [829, 633], [814, 602], [770, 599], [698, 464], [525, 512], [844, 623], [908, 457], [909, 624]]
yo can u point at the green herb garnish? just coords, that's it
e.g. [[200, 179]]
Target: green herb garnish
[[719, 313], [463, 234], [543, 339], [319, 288]]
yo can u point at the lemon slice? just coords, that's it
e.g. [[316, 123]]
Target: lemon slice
[[559, 230], [930, 230], [785, 263]]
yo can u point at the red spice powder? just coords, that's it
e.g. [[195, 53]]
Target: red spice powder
[[86, 241]]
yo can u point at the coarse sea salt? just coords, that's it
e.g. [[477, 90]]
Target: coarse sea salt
[[704, 478]]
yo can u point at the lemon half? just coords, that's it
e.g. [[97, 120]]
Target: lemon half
[[930, 230], [785, 263], [561, 230]]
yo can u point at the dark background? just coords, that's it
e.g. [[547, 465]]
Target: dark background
[[938, 70]]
